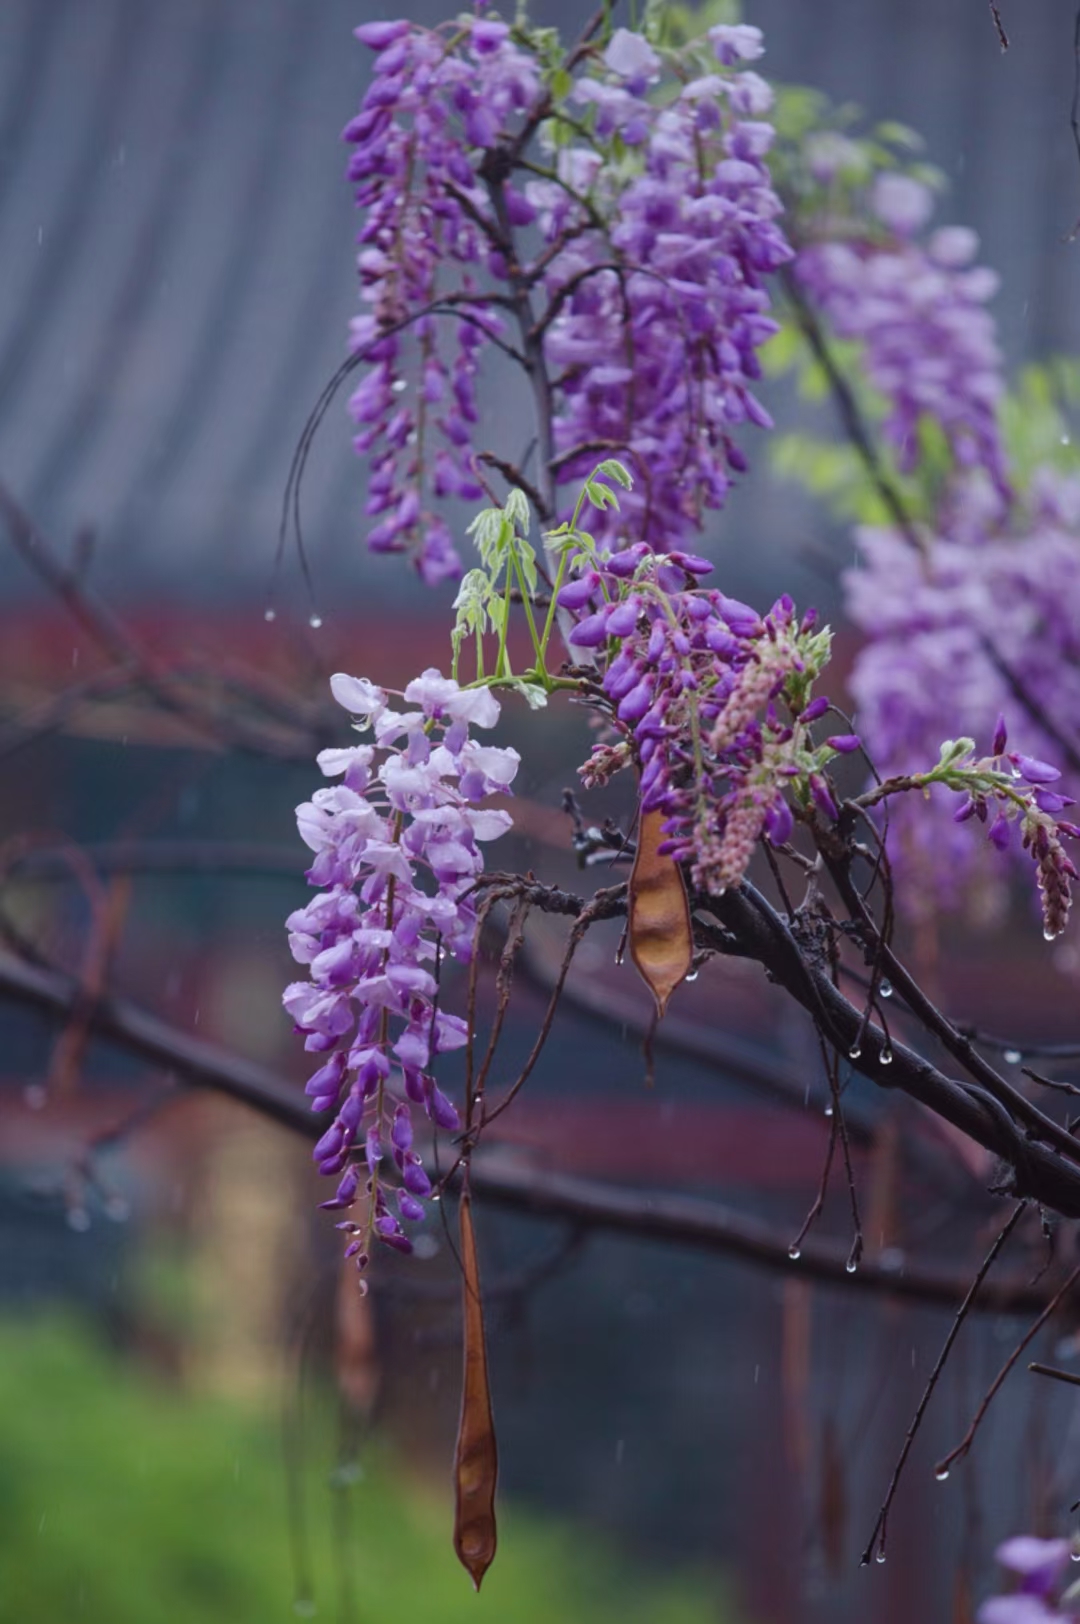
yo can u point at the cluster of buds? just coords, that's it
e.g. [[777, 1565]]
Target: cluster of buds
[[1007, 791], [1020, 794], [713, 702]]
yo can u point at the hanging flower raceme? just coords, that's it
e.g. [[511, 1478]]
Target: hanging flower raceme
[[397, 854], [621, 214], [714, 705], [916, 305], [983, 623], [668, 228]]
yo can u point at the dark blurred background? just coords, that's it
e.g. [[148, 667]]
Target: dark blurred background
[[198, 1418]]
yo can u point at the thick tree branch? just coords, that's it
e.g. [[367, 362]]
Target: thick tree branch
[[754, 930], [676, 1219]]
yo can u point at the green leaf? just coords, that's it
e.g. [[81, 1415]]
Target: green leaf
[[534, 695], [612, 469], [472, 603], [517, 511], [601, 496], [952, 750]]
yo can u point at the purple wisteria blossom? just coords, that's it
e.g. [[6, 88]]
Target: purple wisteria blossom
[[713, 702], [983, 624], [916, 305], [660, 282], [631, 243], [397, 854], [1039, 1566]]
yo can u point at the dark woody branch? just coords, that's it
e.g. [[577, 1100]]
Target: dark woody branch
[[678, 1220], [751, 928]]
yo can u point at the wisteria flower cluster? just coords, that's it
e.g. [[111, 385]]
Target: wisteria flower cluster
[[1008, 792], [713, 702], [397, 854], [1039, 1566], [616, 207], [915, 303], [984, 623]]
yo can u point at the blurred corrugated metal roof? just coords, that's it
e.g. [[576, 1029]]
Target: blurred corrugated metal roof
[[176, 242]]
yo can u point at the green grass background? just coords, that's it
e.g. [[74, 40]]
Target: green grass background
[[126, 1500]]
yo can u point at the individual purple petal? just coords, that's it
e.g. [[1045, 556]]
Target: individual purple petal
[[330, 1144], [779, 822], [416, 1179], [327, 1080], [999, 832], [576, 594], [634, 707], [1049, 800], [409, 1207], [402, 1131], [379, 35], [844, 743], [1032, 771], [743, 621], [346, 1190], [623, 618], [441, 1112], [1001, 737], [590, 632]]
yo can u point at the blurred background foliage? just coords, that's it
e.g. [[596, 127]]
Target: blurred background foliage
[[124, 1498]]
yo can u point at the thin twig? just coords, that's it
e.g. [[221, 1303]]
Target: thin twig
[[1058, 1375], [1003, 38], [969, 1437], [880, 1529]]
